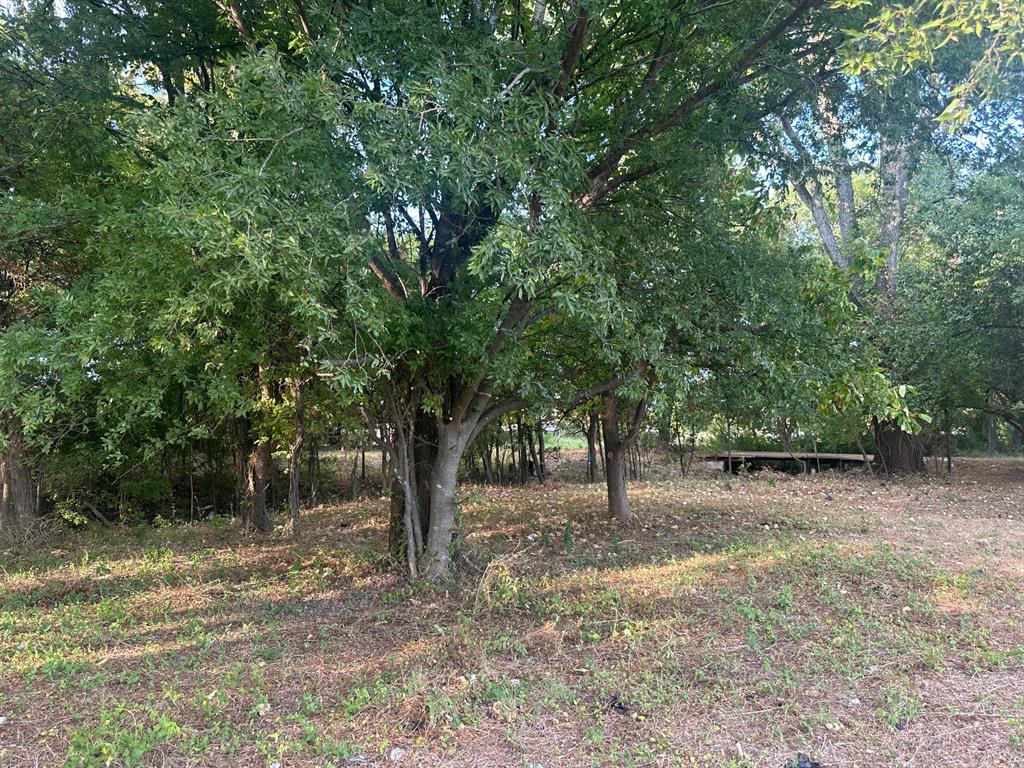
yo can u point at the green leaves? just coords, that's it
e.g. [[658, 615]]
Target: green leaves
[[900, 38], [368, 195]]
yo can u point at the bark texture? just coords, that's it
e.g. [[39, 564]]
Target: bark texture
[[593, 440], [451, 442], [17, 497], [897, 452], [295, 461], [255, 466], [615, 448]]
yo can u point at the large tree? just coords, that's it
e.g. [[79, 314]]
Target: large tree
[[427, 194], [571, 106], [849, 152], [962, 339]]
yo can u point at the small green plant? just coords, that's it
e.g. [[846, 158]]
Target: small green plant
[[356, 701], [71, 511], [119, 738], [261, 707], [309, 704], [784, 600], [898, 707], [271, 652], [506, 643], [1016, 726], [501, 590]]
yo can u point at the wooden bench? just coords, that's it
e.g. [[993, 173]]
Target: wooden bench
[[734, 461]]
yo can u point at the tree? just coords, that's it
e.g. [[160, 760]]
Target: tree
[[55, 153], [954, 63], [849, 152], [501, 241], [964, 318], [415, 201]]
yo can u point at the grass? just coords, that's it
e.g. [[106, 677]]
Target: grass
[[740, 621]]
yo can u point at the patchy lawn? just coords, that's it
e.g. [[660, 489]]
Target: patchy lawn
[[742, 621]]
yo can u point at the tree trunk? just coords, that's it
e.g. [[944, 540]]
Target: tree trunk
[[992, 437], [405, 535], [314, 471], [618, 501], [512, 468], [540, 450], [785, 429], [423, 450], [353, 479], [524, 468], [257, 481], [22, 493], [592, 448], [17, 502], [691, 452], [295, 461], [273, 484], [894, 174], [396, 520], [425, 453], [534, 459], [897, 452], [451, 442], [8, 520], [615, 462], [255, 463], [485, 456]]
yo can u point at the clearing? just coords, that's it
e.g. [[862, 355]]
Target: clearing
[[745, 619]]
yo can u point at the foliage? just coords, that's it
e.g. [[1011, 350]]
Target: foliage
[[236, 229], [903, 36], [961, 338]]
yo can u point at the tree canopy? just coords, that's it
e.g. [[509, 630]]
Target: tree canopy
[[229, 226]]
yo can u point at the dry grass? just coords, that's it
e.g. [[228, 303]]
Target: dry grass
[[740, 621]]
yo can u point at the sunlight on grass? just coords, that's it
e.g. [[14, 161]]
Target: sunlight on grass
[[312, 654]]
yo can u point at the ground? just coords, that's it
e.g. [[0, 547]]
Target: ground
[[742, 621]]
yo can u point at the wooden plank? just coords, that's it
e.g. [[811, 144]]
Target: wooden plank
[[782, 456]]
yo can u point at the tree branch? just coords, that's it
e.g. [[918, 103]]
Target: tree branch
[[581, 397], [234, 14], [613, 184], [600, 172], [572, 53], [390, 283], [510, 327]]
